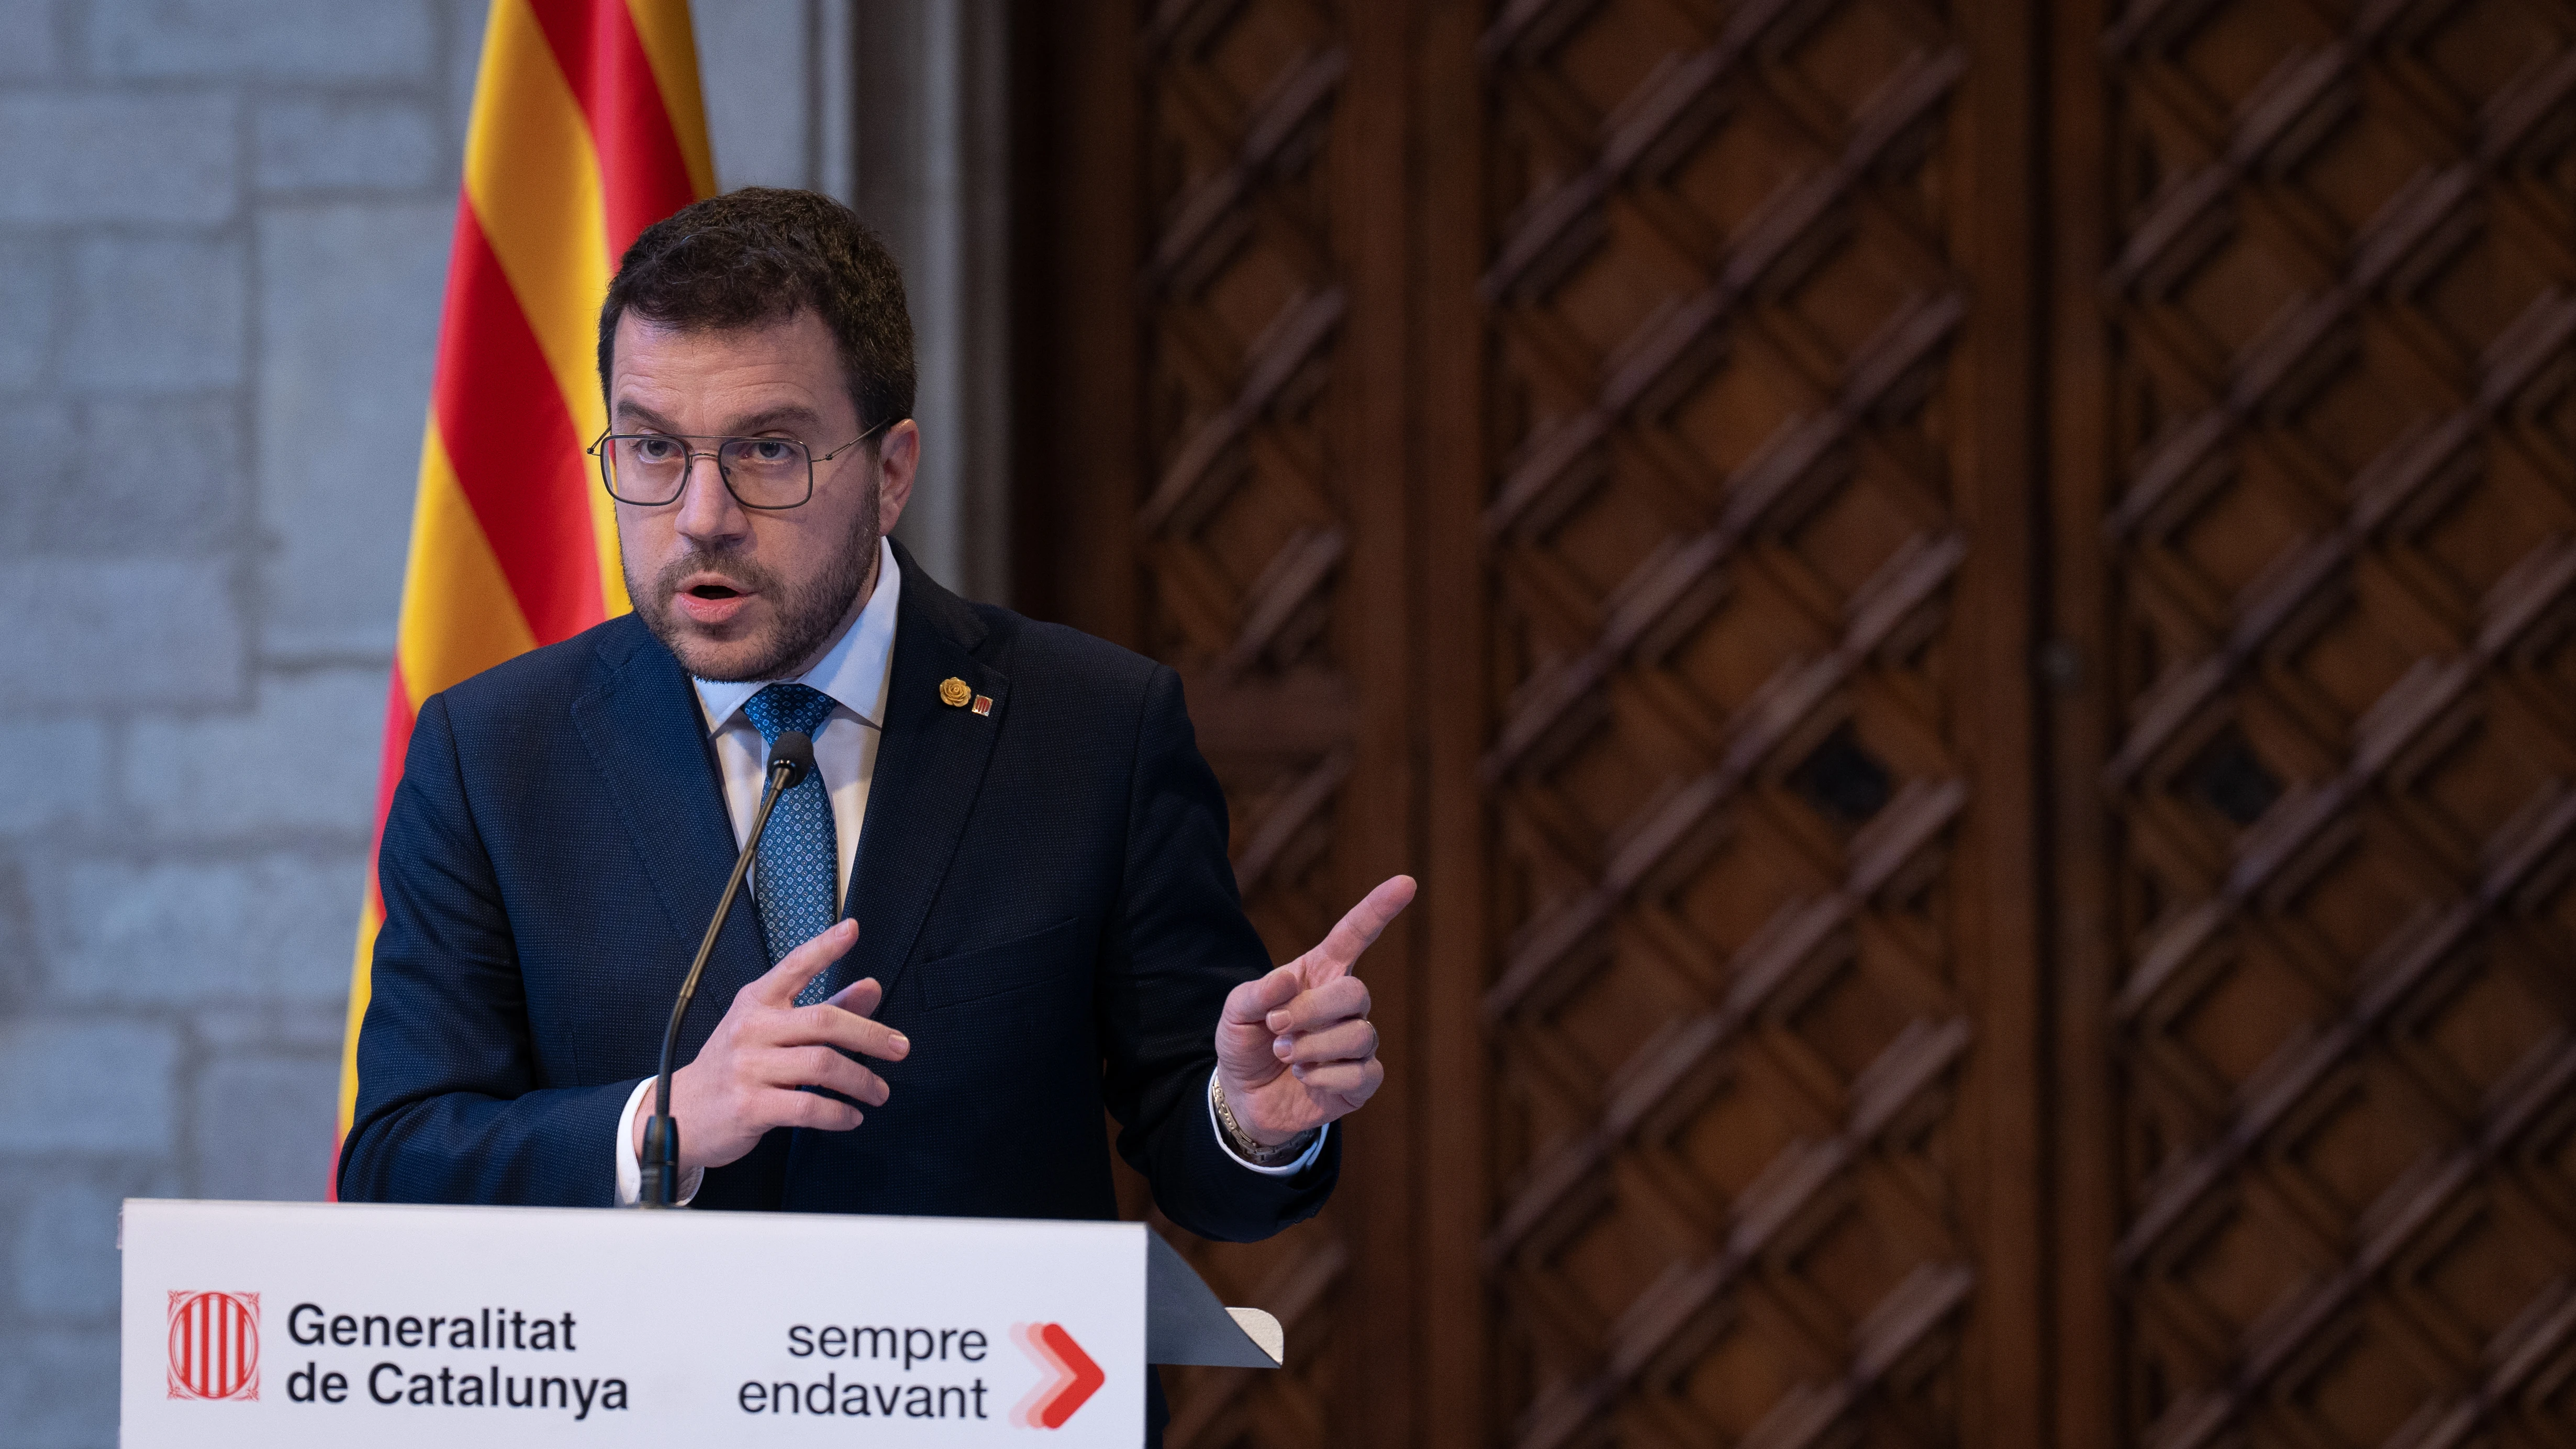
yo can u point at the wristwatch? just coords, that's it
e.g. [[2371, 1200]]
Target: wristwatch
[[1241, 1141]]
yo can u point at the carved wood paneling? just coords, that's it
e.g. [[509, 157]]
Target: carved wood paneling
[[1967, 612], [1734, 996], [1228, 515], [2339, 301]]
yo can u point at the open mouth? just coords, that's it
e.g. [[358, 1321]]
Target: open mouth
[[709, 598]]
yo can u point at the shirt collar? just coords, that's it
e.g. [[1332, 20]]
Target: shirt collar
[[853, 673]]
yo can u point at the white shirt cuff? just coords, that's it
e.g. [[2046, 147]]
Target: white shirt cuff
[[1305, 1159], [630, 1172]]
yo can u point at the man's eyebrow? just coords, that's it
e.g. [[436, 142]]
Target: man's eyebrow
[[634, 412], [791, 413]]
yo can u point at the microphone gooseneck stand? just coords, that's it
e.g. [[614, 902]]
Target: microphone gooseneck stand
[[790, 760]]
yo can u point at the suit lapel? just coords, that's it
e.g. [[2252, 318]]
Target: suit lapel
[[930, 763], [643, 727]]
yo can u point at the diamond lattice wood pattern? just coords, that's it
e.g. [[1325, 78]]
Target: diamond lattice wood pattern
[[2341, 312], [1731, 1006], [1826, 1038], [1238, 548]]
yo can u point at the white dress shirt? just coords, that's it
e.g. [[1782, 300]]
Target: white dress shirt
[[855, 674]]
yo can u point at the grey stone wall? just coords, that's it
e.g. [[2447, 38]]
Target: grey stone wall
[[223, 237]]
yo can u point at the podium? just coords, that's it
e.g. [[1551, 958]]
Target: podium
[[284, 1324]]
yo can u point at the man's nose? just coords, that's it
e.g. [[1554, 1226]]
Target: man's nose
[[708, 509]]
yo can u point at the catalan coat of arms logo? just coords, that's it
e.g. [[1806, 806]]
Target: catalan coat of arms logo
[[214, 1345]]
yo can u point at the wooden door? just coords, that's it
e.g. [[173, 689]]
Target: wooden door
[[1962, 610], [2315, 489], [1754, 510], [1215, 357]]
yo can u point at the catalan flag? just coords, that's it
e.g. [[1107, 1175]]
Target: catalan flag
[[587, 128]]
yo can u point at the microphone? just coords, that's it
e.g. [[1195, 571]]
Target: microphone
[[791, 759]]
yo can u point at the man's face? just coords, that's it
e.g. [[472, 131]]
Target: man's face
[[739, 593]]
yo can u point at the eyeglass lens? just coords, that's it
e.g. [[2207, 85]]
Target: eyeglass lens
[[763, 472]]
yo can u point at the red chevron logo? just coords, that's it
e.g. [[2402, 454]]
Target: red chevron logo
[[1076, 1379]]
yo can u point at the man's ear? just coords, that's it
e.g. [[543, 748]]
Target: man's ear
[[898, 461]]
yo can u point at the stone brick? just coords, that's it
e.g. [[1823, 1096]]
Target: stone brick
[[28, 310], [38, 467], [347, 291], [160, 314], [294, 1028], [164, 476], [270, 926], [325, 40], [57, 768], [83, 1086], [263, 1128], [464, 24], [60, 1389], [89, 635], [303, 759], [323, 145], [756, 107], [75, 159], [65, 1255], [34, 50], [19, 966]]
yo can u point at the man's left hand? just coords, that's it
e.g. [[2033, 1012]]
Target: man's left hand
[[1294, 1049]]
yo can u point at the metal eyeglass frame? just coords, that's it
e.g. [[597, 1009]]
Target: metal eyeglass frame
[[599, 448]]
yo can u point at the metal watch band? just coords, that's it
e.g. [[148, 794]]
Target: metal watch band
[[1241, 1141]]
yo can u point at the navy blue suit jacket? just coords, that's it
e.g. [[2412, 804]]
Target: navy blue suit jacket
[[1043, 891]]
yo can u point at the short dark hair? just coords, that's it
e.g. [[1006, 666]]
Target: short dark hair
[[762, 255]]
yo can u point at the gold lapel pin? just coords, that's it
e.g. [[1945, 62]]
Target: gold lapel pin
[[954, 693], [983, 704]]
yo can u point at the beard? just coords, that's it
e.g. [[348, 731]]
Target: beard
[[807, 613]]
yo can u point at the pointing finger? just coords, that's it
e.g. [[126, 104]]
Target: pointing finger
[[1359, 930]]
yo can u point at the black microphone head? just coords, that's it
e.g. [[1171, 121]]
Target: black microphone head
[[796, 753]]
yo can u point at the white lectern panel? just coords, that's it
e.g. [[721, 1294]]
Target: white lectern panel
[[282, 1324]]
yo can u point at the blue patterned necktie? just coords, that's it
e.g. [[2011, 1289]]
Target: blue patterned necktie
[[800, 855]]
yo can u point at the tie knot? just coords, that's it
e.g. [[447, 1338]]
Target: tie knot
[[783, 707]]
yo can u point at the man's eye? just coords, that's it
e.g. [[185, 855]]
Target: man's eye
[[772, 450], [654, 450]]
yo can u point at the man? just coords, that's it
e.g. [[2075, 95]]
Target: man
[[1001, 905]]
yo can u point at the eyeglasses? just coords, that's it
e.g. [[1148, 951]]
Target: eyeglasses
[[650, 469]]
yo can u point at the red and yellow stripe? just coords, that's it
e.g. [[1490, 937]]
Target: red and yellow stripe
[[587, 128]]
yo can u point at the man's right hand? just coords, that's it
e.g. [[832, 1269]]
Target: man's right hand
[[745, 1080]]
